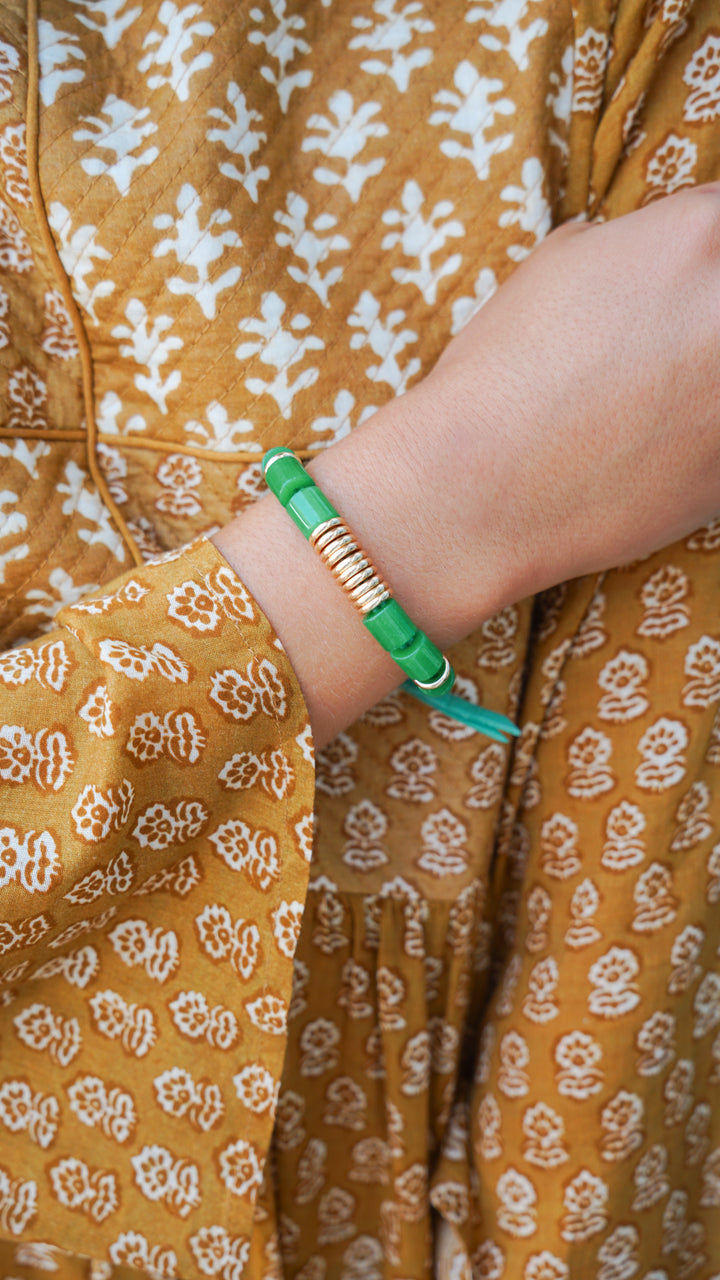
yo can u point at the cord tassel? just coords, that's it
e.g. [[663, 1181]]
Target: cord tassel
[[491, 723]]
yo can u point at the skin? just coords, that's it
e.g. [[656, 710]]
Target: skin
[[573, 425]]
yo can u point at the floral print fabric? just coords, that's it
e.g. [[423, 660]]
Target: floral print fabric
[[459, 1015]]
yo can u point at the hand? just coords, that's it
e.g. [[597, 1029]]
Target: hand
[[590, 384]]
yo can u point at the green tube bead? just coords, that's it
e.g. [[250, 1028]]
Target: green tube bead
[[420, 659], [309, 508], [287, 476], [390, 625]]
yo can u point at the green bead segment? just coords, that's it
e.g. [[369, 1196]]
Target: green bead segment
[[309, 508], [287, 475], [413, 651], [390, 625]]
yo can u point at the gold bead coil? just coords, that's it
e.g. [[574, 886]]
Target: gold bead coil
[[357, 575]]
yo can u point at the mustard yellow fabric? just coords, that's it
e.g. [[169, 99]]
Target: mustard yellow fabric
[[471, 1030]]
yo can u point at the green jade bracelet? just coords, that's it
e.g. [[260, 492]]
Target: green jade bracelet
[[430, 674]]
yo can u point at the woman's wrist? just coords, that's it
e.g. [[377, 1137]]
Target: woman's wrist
[[408, 487]]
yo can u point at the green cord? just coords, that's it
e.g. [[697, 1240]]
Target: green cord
[[491, 723]]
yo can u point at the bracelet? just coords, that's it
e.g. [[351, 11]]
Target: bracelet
[[430, 675]]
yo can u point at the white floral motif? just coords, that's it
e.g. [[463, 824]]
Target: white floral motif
[[420, 238], [223, 938], [618, 1254], [9, 63], [509, 14], [414, 762], [539, 912], [282, 44], [281, 348], [97, 813], [157, 950], [684, 955], [544, 1142], [150, 349], [655, 903], [196, 250], [240, 139], [115, 879], [590, 774], [498, 633], [592, 50], [194, 1018], [133, 1025], [84, 501], [583, 932], [161, 1176], [390, 32], [36, 1254], [664, 597], [513, 1079], [28, 858], [131, 1249], [77, 250], [444, 845], [540, 1003], [623, 845], [649, 1178], [121, 129], [488, 775], [257, 1088], [623, 679], [55, 51], [178, 1094], [384, 341], [702, 666], [219, 1254], [532, 213], [334, 766], [22, 1111], [585, 1200], [92, 1192], [471, 112], [180, 736], [159, 825], [18, 1202], [95, 1102], [656, 1042], [27, 395], [44, 1031], [560, 856], [706, 1005], [107, 18], [222, 434], [621, 1121], [517, 1213], [670, 166], [170, 50], [15, 252], [661, 748], [241, 1168], [249, 850], [702, 75], [612, 977], [578, 1074], [58, 336], [542, 1266], [364, 825], [343, 139], [463, 309]]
